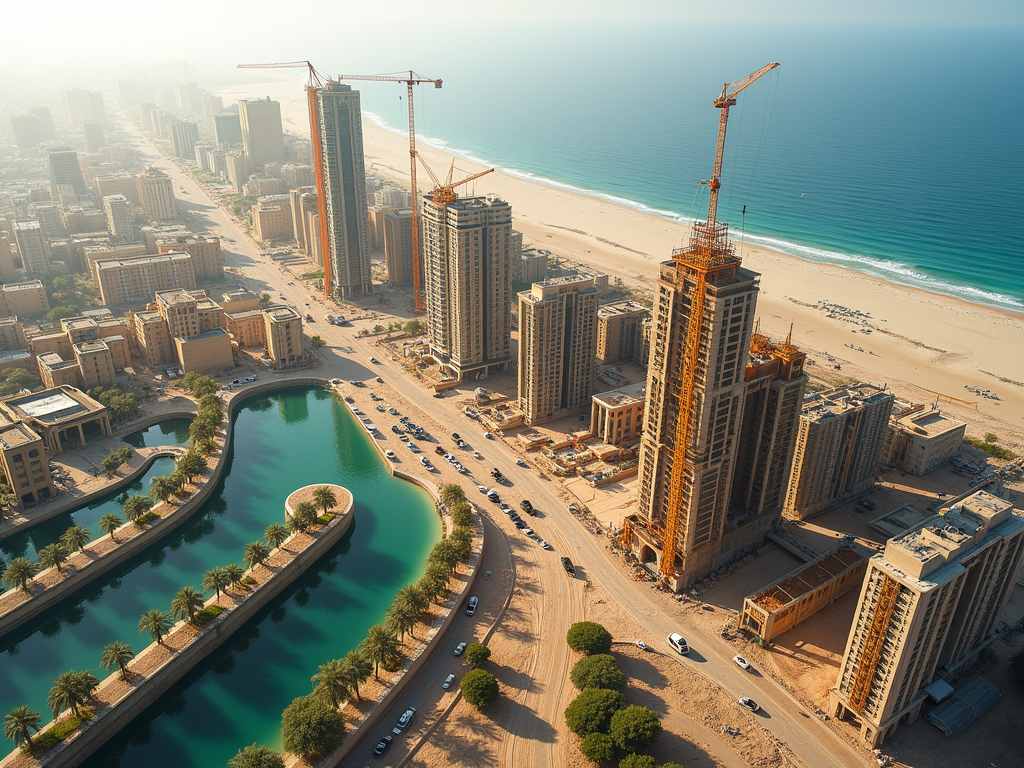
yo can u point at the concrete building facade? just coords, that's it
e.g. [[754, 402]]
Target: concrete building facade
[[467, 257], [32, 246], [616, 416], [204, 248], [24, 299], [919, 440], [25, 463], [557, 336], [227, 130], [62, 163], [398, 246], [156, 195], [618, 331], [262, 134], [120, 223], [122, 282], [272, 218], [283, 333], [184, 137]]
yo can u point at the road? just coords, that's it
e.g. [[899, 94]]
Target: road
[[347, 357]]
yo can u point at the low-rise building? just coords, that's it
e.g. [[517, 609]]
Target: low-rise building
[[239, 301], [25, 464], [151, 338], [204, 249], [272, 218], [616, 416], [12, 335], [920, 440], [247, 328], [206, 352], [26, 299], [121, 281], [61, 416]]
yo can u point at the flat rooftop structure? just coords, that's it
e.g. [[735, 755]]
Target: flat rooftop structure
[[244, 315], [118, 263], [175, 296], [931, 424], [555, 286], [28, 285], [823, 406], [808, 577], [55, 362], [16, 435], [280, 314], [97, 345], [615, 398], [15, 356], [50, 406], [212, 333], [627, 307], [899, 521], [78, 323]]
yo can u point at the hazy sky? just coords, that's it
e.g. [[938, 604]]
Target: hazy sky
[[61, 33]]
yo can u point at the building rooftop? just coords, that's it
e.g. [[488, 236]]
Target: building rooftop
[[28, 285], [555, 286], [616, 398], [210, 334], [175, 296], [808, 577], [620, 308], [16, 435], [52, 406], [26, 224], [117, 263], [91, 347], [823, 406], [931, 423], [244, 315], [279, 314], [17, 354]]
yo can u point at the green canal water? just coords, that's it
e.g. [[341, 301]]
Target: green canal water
[[235, 697], [166, 432]]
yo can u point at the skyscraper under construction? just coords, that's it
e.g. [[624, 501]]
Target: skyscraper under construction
[[721, 413]]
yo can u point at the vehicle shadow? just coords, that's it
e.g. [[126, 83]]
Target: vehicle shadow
[[695, 656]]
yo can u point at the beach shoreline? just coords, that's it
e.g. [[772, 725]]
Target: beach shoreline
[[926, 346]]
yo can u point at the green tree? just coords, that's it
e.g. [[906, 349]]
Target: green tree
[[157, 623], [592, 710], [451, 493], [57, 314], [477, 654], [302, 517], [17, 379], [109, 523], [75, 537], [113, 462], [634, 728], [598, 671], [597, 747], [463, 515], [357, 668], [70, 691], [201, 429], [255, 553], [446, 553], [310, 728], [325, 498], [117, 654], [256, 757], [461, 541], [671, 764], [136, 506], [265, 300], [185, 603], [8, 500], [235, 574], [589, 637], [53, 556], [216, 580], [413, 596], [380, 646], [991, 437], [637, 761], [162, 488], [191, 464], [316, 342], [332, 683], [19, 724], [378, 329], [19, 573], [275, 534], [204, 385], [479, 688]]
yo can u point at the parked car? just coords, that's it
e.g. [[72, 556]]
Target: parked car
[[521, 463], [749, 703], [404, 720], [413, 447], [383, 744], [743, 663], [460, 648], [426, 462], [390, 454], [471, 606], [569, 567], [379, 408], [543, 544], [395, 429], [392, 411], [456, 436], [375, 361], [488, 435], [481, 488], [492, 496], [528, 532], [642, 645], [236, 381], [448, 681], [526, 506], [441, 452], [678, 642]]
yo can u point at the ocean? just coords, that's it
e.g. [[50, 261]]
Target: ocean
[[898, 152]]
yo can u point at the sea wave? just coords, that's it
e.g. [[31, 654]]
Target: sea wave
[[890, 270]]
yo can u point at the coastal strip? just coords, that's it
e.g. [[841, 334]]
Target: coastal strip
[[161, 665]]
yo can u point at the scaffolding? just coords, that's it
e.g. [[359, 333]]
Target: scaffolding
[[874, 642]]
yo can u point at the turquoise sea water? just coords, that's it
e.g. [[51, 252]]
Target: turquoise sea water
[[897, 151], [235, 697]]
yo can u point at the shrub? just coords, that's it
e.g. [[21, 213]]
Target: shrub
[[597, 747], [325, 518], [249, 581], [637, 761], [589, 637], [633, 728], [208, 614], [146, 519], [310, 727], [477, 653], [598, 671], [256, 757], [59, 732], [479, 688], [592, 710], [991, 448]]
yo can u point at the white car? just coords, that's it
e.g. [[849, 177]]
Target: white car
[[642, 645], [543, 544], [743, 663], [749, 703], [413, 447], [374, 360], [390, 454], [482, 489]]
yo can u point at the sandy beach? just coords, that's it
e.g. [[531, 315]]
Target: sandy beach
[[925, 346]]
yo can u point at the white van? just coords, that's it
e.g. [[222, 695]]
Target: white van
[[678, 642]]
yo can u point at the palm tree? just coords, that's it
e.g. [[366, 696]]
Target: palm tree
[[75, 537], [191, 464], [235, 574], [19, 724], [53, 556], [110, 523], [255, 553], [19, 573], [157, 623], [162, 488], [413, 595], [401, 618], [8, 500], [380, 646], [451, 493], [136, 506], [275, 534], [216, 579], [332, 683], [444, 552], [117, 654], [303, 516], [185, 603], [324, 497], [357, 668], [70, 691]]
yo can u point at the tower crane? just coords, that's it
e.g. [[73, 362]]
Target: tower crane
[[443, 194], [410, 81], [315, 82], [709, 255]]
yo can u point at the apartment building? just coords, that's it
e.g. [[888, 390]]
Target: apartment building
[[184, 137], [204, 248], [398, 246], [156, 195], [25, 463], [62, 163], [272, 218], [31, 246], [283, 334], [618, 331], [123, 282], [921, 439], [120, 223], [262, 133], [25, 299]]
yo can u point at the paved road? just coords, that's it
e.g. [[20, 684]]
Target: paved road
[[811, 741]]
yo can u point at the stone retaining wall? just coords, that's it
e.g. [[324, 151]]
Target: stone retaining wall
[[95, 732]]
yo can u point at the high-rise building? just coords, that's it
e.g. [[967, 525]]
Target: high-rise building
[[272, 218], [117, 184], [27, 131], [45, 122], [262, 134], [184, 137], [166, 100], [188, 98], [200, 154], [94, 140], [618, 331], [8, 269], [283, 332], [212, 105], [341, 190], [84, 107], [294, 175], [156, 194], [238, 170], [227, 130], [557, 337], [839, 447], [398, 246], [62, 163], [31, 246], [929, 604], [303, 201], [146, 110], [467, 258], [119, 217]]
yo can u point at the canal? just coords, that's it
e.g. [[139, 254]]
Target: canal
[[295, 437]]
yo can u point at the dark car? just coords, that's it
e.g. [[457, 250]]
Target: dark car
[[526, 506], [569, 567], [383, 744], [440, 451], [456, 436]]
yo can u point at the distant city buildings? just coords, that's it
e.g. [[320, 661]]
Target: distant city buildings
[[28, 132], [929, 605], [119, 217], [467, 255], [839, 447], [94, 140], [262, 134], [557, 334], [84, 107], [184, 137], [62, 163], [304, 207]]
